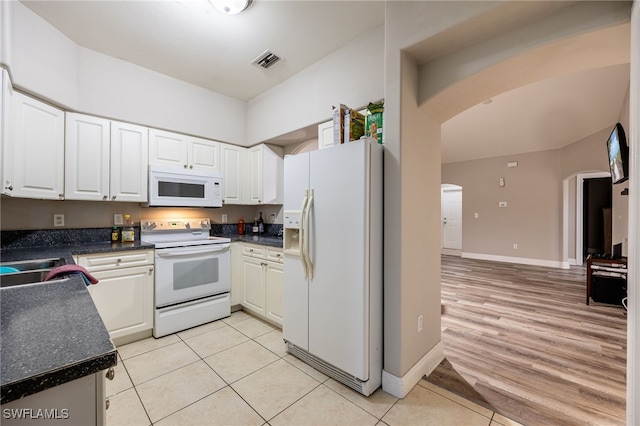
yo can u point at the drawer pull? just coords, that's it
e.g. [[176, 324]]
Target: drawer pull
[[111, 373]]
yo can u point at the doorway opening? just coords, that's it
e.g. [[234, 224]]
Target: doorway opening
[[451, 219], [596, 213]]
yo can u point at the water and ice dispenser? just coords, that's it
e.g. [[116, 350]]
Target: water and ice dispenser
[[292, 230]]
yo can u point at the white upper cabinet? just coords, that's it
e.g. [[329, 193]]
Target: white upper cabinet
[[203, 154], [37, 157], [6, 135], [87, 151], [187, 152], [232, 159], [167, 148], [129, 162], [105, 160], [264, 176], [325, 135]]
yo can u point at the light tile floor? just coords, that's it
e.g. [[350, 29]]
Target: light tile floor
[[236, 371]]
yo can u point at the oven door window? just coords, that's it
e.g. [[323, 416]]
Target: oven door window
[[194, 273]]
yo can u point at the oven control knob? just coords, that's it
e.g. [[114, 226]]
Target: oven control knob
[[204, 223]]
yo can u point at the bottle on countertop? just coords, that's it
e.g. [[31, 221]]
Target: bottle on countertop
[[255, 226], [241, 226], [128, 234], [260, 224], [115, 234]]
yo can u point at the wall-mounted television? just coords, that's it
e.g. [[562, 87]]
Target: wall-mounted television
[[618, 151]]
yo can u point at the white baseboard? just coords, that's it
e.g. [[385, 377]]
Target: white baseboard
[[520, 260], [401, 386]]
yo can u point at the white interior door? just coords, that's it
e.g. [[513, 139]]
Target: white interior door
[[452, 219]]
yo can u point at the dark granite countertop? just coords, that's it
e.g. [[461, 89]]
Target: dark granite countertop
[[265, 240], [51, 333]]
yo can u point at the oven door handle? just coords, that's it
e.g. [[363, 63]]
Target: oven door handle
[[185, 252]]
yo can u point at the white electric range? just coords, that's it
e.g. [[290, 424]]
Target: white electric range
[[193, 273]]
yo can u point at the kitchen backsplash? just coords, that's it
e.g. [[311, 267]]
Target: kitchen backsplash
[[64, 237]]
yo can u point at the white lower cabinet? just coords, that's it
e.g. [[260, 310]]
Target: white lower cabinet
[[78, 402], [124, 293], [261, 278]]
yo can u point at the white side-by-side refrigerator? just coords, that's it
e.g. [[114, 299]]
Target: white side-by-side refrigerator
[[332, 297]]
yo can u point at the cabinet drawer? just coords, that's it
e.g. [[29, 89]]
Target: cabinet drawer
[[253, 251], [101, 262], [275, 255]]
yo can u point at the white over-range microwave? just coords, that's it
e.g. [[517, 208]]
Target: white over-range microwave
[[175, 187]]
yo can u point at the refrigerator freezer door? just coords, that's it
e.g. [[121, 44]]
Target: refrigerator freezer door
[[338, 243], [295, 297]]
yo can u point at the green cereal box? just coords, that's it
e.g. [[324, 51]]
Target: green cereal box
[[373, 126]]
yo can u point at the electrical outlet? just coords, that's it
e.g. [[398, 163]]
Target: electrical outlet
[[117, 219], [273, 217], [502, 204], [515, 246], [224, 218], [419, 323], [58, 220]]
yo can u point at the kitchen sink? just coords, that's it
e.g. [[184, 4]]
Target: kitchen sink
[[27, 271], [31, 265]]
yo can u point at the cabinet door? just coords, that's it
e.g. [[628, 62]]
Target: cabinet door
[[167, 148], [325, 135], [204, 154], [129, 153], [253, 295], [254, 175], [6, 134], [87, 150], [232, 157], [38, 150], [274, 284], [124, 299], [264, 175]]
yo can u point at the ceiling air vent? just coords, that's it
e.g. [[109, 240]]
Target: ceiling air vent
[[266, 59]]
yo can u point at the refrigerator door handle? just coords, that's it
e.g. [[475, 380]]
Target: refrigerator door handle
[[303, 254], [306, 233]]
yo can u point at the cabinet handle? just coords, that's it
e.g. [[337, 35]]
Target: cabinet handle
[[278, 254], [111, 373], [106, 404], [118, 260], [184, 166], [104, 197], [61, 196], [150, 271], [191, 166], [10, 187]]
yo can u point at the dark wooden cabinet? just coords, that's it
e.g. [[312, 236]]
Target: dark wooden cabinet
[[606, 280]]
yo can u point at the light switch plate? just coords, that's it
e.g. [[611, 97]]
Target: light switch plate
[[225, 219], [502, 204], [117, 219]]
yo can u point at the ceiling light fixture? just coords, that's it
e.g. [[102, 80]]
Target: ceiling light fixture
[[231, 7]]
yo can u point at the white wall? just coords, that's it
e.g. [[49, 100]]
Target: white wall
[[352, 75], [50, 66]]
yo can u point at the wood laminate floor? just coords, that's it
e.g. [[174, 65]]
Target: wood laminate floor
[[520, 340]]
